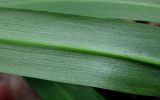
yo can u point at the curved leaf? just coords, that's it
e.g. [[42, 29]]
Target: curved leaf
[[108, 54], [124, 9]]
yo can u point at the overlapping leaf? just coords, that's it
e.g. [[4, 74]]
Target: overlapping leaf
[[124, 9]]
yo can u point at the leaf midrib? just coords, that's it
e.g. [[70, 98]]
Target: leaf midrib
[[132, 58]]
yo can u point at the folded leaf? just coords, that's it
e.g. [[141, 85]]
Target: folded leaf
[[108, 54], [124, 9], [57, 91]]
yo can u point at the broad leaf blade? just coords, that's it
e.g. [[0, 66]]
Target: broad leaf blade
[[57, 91], [125, 9], [107, 54], [118, 39]]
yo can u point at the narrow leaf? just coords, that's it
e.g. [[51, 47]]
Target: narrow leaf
[[57, 91], [108, 54], [124, 9]]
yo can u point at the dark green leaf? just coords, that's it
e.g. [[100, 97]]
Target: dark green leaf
[[57, 91]]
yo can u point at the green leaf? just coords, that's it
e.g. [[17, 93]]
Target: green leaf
[[107, 54], [57, 91], [124, 9]]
